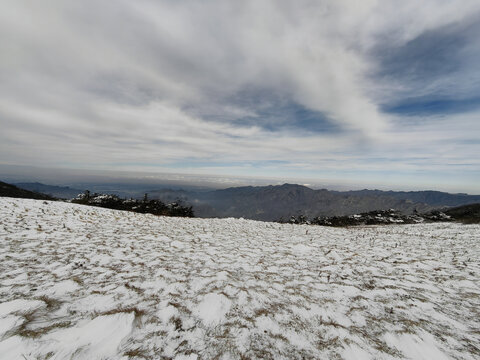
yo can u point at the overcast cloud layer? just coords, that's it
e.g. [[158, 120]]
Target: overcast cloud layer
[[362, 90]]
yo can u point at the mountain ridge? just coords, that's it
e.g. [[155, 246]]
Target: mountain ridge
[[280, 202], [277, 202]]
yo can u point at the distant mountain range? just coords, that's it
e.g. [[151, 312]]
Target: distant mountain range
[[433, 198], [273, 203]]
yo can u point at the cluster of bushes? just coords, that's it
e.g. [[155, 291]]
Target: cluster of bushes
[[145, 206], [468, 214], [377, 217]]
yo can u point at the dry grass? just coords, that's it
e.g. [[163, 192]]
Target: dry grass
[[137, 353], [137, 312], [36, 333]]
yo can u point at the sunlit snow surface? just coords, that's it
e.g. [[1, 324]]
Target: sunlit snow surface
[[79, 282]]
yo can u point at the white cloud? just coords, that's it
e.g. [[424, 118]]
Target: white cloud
[[157, 82]]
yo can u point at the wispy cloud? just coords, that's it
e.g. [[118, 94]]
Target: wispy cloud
[[315, 85]]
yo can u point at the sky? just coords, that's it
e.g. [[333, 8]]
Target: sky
[[341, 92]]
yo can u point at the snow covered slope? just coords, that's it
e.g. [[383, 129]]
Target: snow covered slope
[[89, 283]]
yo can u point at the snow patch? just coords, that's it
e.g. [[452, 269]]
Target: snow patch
[[421, 346], [98, 338], [110, 284], [20, 306], [63, 288], [213, 308]]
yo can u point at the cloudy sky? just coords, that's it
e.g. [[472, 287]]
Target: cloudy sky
[[367, 91]]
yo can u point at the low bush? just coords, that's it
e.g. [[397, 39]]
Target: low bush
[[145, 206]]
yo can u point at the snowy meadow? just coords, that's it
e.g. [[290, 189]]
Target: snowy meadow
[[79, 282]]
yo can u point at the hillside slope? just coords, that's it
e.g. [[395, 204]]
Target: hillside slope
[[13, 191], [59, 192], [81, 282]]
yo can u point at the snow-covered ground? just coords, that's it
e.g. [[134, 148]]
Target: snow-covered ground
[[80, 282]]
